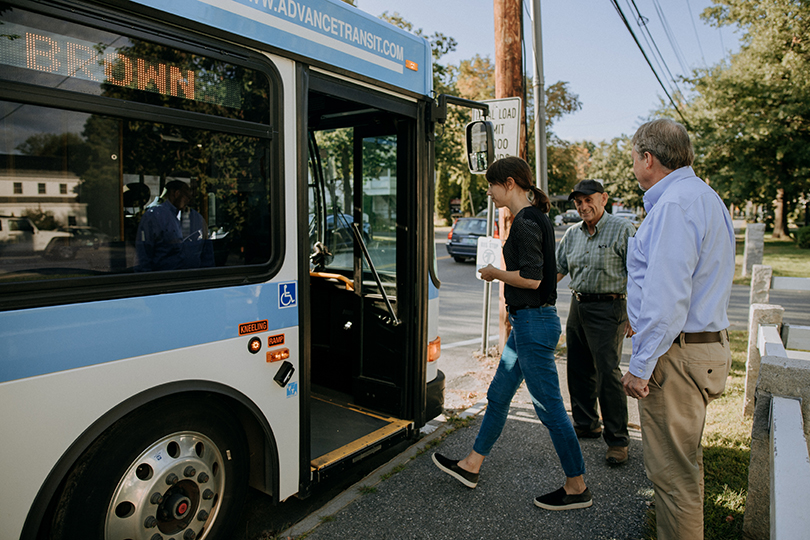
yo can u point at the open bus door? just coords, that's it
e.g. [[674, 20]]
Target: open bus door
[[363, 316]]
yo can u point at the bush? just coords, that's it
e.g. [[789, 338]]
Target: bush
[[803, 237]]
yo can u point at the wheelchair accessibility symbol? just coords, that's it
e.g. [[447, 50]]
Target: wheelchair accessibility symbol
[[286, 295]]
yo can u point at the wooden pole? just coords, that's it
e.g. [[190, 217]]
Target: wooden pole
[[508, 83]]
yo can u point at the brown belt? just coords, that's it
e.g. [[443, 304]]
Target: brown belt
[[700, 337]]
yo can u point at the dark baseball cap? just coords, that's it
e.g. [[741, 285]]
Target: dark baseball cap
[[587, 187]]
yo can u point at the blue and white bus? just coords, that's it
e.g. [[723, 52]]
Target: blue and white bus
[[216, 258]]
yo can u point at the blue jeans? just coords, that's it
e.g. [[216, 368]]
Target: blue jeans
[[529, 355]]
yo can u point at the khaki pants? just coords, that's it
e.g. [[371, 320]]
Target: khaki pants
[[673, 415]]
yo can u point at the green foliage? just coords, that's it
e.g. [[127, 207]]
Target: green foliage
[[398, 469], [44, 220], [613, 163], [442, 202], [803, 237], [751, 113]]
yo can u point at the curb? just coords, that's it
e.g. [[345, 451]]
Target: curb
[[433, 430]]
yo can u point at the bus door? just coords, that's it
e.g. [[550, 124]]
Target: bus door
[[360, 325]]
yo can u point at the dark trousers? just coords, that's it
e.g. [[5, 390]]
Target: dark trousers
[[594, 332]]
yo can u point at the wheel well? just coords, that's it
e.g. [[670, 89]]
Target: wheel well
[[263, 474]]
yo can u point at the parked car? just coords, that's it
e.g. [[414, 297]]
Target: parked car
[[629, 216], [19, 236], [462, 241], [483, 213], [571, 216], [77, 239]]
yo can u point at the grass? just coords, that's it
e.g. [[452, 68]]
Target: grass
[[784, 256], [726, 452]]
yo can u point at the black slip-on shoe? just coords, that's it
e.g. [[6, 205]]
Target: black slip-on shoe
[[559, 500], [450, 466]]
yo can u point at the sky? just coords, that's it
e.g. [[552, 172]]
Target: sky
[[586, 44]]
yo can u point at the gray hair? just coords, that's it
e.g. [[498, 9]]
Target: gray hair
[[667, 140]]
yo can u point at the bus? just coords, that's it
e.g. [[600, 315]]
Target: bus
[[217, 267]]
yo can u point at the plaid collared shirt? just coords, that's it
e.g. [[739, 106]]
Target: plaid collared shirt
[[598, 263]]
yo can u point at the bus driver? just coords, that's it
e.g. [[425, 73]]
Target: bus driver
[[172, 236]]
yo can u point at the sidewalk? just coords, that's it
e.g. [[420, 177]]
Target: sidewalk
[[410, 498]]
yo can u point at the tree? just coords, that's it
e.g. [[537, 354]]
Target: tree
[[752, 114], [562, 155], [612, 162]]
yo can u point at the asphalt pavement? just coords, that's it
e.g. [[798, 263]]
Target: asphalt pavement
[[409, 498]]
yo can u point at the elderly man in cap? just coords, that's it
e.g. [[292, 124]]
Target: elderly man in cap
[[594, 253]]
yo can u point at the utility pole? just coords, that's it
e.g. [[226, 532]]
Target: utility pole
[[508, 83], [540, 152]]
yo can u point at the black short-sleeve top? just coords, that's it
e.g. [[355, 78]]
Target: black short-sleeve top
[[530, 249]]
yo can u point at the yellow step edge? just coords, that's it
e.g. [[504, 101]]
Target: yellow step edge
[[360, 444]]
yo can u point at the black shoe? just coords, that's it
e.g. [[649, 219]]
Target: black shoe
[[584, 433], [559, 500], [450, 466]]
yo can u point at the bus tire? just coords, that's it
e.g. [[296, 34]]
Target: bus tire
[[174, 468]]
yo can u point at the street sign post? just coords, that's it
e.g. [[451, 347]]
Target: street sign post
[[505, 116]]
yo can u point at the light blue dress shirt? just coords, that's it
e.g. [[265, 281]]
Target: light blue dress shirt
[[680, 266]]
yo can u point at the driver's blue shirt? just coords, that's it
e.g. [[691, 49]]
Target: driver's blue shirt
[[162, 244]]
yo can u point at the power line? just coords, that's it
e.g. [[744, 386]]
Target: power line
[[647, 59], [670, 36], [660, 57], [697, 37]]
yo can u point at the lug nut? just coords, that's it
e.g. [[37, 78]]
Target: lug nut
[[208, 494], [156, 536], [189, 535], [202, 516], [190, 471], [156, 498], [202, 478], [150, 522], [172, 479]]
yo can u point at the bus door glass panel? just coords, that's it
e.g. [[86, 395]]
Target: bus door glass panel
[[379, 215], [334, 149], [380, 384]]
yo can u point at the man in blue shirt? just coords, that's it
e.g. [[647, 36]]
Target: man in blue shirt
[[171, 236], [680, 266]]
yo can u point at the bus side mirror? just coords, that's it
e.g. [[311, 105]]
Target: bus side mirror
[[480, 146]]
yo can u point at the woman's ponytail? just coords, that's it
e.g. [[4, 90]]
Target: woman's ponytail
[[539, 199]]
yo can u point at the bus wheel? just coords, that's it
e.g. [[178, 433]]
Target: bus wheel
[[174, 469]]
